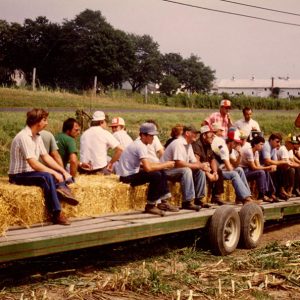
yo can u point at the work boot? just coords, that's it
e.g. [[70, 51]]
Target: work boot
[[166, 206], [202, 204], [65, 194], [190, 205], [60, 219], [152, 209], [283, 194], [251, 200], [297, 192], [218, 201]]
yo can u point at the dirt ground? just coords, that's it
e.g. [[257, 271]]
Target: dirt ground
[[112, 273]]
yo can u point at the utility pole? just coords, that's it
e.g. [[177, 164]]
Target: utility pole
[[95, 85]]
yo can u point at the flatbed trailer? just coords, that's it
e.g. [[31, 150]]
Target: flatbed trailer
[[226, 224]]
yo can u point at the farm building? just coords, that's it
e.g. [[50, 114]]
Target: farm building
[[282, 87]]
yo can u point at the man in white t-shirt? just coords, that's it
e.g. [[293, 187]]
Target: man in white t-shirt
[[135, 168], [254, 171], [284, 173], [94, 144], [118, 128], [236, 175], [188, 170], [247, 124]]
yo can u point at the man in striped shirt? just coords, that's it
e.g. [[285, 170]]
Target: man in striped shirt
[[25, 168]]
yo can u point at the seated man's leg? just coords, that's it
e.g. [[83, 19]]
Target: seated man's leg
[[260, 178], [185, 177], [155, 189], [199, 178], [241, 173], [242, 192], [45, 181]]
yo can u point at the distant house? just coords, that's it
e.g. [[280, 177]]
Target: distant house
[[283, 87]]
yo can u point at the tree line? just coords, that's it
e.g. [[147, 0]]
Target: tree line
[[70, 54]]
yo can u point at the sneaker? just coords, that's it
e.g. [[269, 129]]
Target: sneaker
[[166, 206], [190, 205], [64, 194], [152, 209], [60, 219]]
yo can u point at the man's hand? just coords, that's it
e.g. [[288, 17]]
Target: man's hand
[[59, 177], [205, 167], [170, 164]]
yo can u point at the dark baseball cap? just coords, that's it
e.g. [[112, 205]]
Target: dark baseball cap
[[148, 128]]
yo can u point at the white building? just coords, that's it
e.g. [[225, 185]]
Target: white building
[[284, 87]]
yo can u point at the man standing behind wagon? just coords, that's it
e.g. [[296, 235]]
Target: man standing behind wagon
[[247, 124], [222, 117], [25, 168], [94, 144]]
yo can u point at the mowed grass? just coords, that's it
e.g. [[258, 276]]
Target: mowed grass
[[130, 107]]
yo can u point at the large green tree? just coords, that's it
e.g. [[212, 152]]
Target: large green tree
[[94, 48], [195, 76], [146, 64]]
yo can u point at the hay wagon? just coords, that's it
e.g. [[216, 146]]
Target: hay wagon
[[111, 212]]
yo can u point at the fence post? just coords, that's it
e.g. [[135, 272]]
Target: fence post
[[33, 79]]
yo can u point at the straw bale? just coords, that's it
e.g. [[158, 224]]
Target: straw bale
[[21, 205]]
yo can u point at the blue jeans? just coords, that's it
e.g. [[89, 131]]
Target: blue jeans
[[44, 180], [239, 182], [263, 180], [193, 182]]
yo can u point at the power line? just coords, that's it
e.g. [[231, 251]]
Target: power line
[[232, 13], [259, 7]]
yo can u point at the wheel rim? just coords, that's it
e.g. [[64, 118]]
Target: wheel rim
[[255, 228], [230, 233]]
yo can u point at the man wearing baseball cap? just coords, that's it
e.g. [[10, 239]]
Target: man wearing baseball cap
[[118, 128], [221, 116], [135, 168], [236, 174], [94, 143], [188, 171], [204, 154]]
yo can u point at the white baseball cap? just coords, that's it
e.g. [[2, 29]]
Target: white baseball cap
[[98, 116], [205, 129], [225, 103], [217, 126], [117, 121]]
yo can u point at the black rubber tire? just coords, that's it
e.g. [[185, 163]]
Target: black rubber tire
[[252, 225], [224, 230]]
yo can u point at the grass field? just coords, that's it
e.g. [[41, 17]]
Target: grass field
[[115, 105]]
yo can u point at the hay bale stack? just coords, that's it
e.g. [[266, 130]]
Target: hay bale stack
[[25, 205]]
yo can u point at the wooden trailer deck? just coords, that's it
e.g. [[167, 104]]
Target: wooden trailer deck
[[107, 229]]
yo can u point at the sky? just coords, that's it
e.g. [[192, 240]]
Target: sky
[[229, 44]]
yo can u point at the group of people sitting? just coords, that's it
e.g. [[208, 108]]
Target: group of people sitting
[[220, 150]]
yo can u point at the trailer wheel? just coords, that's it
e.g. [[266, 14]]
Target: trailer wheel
[[252, 225], [224, 230]]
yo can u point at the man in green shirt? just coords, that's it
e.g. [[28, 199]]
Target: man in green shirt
[[67, 145]]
